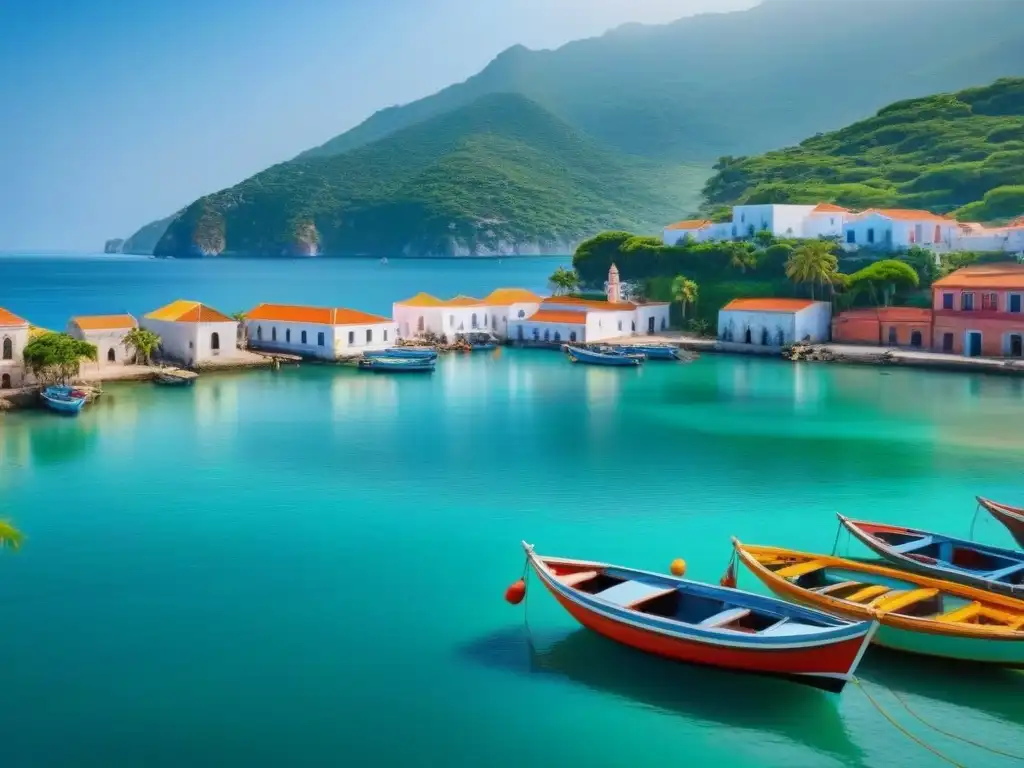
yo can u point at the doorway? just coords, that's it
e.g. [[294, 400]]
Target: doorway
[[650, 326], [111, 356], [746, 336], [973, 343], [1016, 345], [5, 381], [947, 342]]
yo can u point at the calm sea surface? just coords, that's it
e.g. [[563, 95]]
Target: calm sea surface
[[306, 568]]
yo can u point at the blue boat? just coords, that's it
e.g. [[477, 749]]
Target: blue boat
[[408, 353], [63, 399], [590, 357], [398, 365], [943, 557], [652, 351]]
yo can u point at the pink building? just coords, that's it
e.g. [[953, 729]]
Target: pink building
[[978, 311]]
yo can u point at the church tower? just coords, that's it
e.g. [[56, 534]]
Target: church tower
[[614, 289]]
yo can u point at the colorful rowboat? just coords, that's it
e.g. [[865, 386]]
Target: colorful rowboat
[[398, 365], [703, 624], [412, 353], [1011, 517], [943, 557], [63, 400], [590, 357], [651, 351], [917, 614]]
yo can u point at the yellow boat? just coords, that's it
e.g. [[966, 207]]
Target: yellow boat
[[916, 614]]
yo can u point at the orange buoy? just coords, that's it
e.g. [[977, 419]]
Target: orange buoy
[[678, 567], [729, 577], [515, 593]]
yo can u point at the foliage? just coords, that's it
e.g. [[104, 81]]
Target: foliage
[[142, 344], [564, 281], [960, 153], [883, 278], [243, 330], [813, 263], [57, 357], [699, 327], [923, 263], [493, 174], [144, 241], [10, 537], [684, 292]]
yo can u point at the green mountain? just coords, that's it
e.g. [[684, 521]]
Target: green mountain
[[144, 241], [956, 152], [743, 82], [501, 175]]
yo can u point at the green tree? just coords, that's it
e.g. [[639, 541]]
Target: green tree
[[10, 537], [57, 357], [142, 344], [813, 263], [564, 281], [684, 291], [883, 279], [741, 256], [924, 263]]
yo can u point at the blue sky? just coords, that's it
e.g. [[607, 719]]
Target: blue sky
[[116, 113]]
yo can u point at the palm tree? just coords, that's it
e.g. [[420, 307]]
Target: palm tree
[[243, 330], [813, 263], [10, 537], [685, 291], [564, 280], [142, 343], [741, 257]]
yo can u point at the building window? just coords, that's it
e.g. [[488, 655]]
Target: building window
[[572, 336], [764, 337], [288, 336], [632, 326], [892, 334], [1015, 302], [558, 336], [473, 321], [259, 332], [351, 338], [304, 337], [320, 339], [522, 313], [620, 325], [915, 339], [369, 335], [938, 234], [780, 338], [385, 334], [547, 334], [536, 334], [451, 320], [1015, 345], [990, 302], [273, 333], [111, 356], [8, 348], [947, 301], [967, 302], [871, 235], [851, 236], [419, 325], [947, 342], [750, 230], [519, 332], [664, 324], [734, 230], [743, 218], [215, 341], [5, 381]]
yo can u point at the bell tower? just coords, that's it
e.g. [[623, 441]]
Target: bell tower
[[614, 289]]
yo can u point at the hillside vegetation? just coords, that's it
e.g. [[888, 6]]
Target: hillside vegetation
[[145, 239], [500, 175], [960, 152]]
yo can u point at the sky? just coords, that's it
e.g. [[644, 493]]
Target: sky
[[114, 113]]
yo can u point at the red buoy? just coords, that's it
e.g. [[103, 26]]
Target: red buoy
[[515, 593], [729, 577]]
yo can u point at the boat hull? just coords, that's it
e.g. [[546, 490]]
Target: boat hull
[[1005, 653], [579, 355], [1011, 517], [60, 400], [393, 365], [408, 353], [652, 352]]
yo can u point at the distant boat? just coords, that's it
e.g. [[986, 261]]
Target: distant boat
[[410, 353], [652, 351], [943, 557], [63, 399], [1011, 517], [589, 357], [175, 378], [398, 365]]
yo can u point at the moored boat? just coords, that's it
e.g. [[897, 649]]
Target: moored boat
[[398, 365], [590, 357], [943, 557], [917, 614], [411, 353], [651, 351], [65, 400], [1011, 517], [173, 377], [704, 624]]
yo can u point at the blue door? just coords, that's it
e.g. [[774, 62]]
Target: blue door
[[973, 344]]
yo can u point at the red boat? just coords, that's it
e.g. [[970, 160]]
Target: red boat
[[1011, 517], [700, 623]]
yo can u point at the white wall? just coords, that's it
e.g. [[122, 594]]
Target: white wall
[[883, 236], [815, 322], [564, 331], [610, 324], [286, 336], [15, 366], [825, 224], [105, 341], [780, 220], [646, 311], [351, 340], [191, 343], [738, 321], [501, 317]]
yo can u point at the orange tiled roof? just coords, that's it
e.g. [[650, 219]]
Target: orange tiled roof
[[908, 214], [690, 224], [189, 312], [9, 318], [574, 301], [829, 208], [463, 301], [1009, 275], [564, 317], [105, 322], [503, 296], [422, 300], [291, 313], [768, 305]]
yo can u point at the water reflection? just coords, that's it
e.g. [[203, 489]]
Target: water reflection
[[356, 396], [216, 400]]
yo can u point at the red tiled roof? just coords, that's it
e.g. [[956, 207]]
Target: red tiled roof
[[829, 208], [690, 224], [554, 316], [9, 318], [105, 322], [1008, 275], [290, 313], [768, 305]]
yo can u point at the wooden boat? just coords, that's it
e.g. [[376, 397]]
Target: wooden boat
[[407, 353], [943, 557], [917, 614], [398, 365], [172, 377], [652, 351], [704, 624], [589, 357], [1011, 517], [63, 399]]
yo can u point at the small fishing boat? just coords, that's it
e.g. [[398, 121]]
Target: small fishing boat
[[704, 624], [1011, 517], [173, 377], [917, 614], [652, 351], [590, 357], [408, 353], [63, 399], [943, 557], [398, 365]]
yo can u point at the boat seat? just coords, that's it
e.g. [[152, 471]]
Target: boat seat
[[912, 545], [727, 616], [964, 613], [1018, 624], [828, 589], [997, 575], [629, 593], [789, 627], [792, 571], [572, 579], [869, 592], [894, 602]]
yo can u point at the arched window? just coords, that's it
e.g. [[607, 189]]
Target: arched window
[[522, 313], [5, 381], [536, 334], [780, 338], [620, 325], [558, 336], [288, 335], [664, 323], [519, 332], [111, 356], [419, 325], [915, 339], [273, 333], [547, 334], [572, 335], [8, 348], [473, 320], [215, 341], [764, 337], [938, 234], [303, 337], [259, 332], [746, 336]]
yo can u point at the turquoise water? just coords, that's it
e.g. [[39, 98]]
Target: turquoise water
[[306, 567]]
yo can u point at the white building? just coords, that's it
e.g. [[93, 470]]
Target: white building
[[897, 229], [107, 332], [825, 220], [463, 314], [319, 332], [693, 230], [787, 221], [779, 220], [192, 333], [13, 338], [774, 322], [506, 304]]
